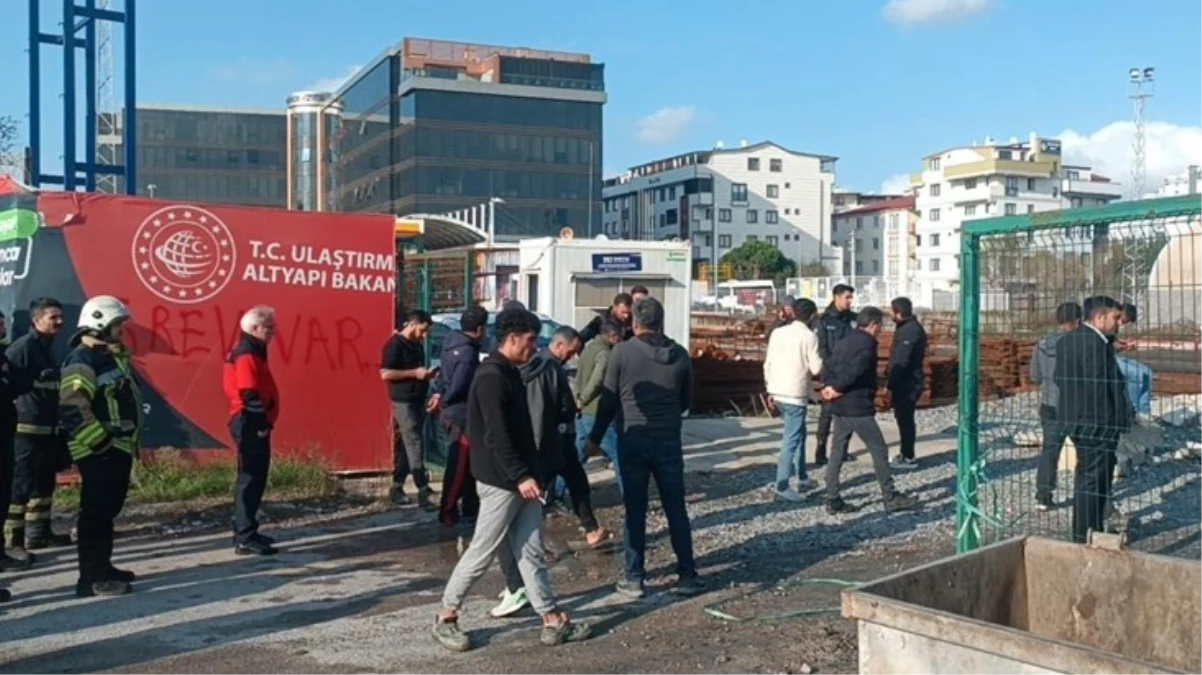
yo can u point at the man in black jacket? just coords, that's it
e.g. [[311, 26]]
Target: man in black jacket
[[905, 381], [1094, 409], [507, 465], [619, 313], [457, 366], [850, 377], [836, 323]]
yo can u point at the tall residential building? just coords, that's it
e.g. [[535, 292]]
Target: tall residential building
[[726, 197], [878, 241], [206, 154], [983, 181], [312, 120], [433, 126]]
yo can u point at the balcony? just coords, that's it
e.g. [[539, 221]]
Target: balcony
[[1091, 188], [993, 167]]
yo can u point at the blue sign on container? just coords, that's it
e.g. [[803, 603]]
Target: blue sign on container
[[617, 262]]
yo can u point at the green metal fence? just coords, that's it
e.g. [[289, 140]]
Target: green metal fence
[[1015, 272]]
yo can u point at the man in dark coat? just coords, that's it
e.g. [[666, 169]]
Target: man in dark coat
[[905, 383]]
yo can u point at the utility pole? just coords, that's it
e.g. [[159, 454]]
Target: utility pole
[[1142, 87]]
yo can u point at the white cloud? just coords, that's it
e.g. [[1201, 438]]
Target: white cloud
[[666, 124], [1169, 149], [897, 184], [913, 12], [331, 84]]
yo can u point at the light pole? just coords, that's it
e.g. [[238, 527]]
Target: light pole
[[150, 188], [492, 217], [1142, 87]]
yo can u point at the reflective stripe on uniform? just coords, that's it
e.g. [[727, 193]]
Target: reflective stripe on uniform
[[35, 429], [74, 382], [125, 444]]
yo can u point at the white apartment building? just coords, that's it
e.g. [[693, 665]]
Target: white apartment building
[[1179, 185], [984, 181], [878, 241], [718, 199]]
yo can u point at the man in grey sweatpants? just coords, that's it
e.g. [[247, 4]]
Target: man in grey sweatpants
[[505, 462]]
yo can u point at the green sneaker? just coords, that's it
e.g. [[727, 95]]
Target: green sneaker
[[447, 632], [511, 603]]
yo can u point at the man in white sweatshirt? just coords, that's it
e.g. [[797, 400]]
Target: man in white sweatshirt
[[789, 368]]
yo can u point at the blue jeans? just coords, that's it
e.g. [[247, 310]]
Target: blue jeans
[[1139, 383], [791, 461], [609, 447], [642, 459]]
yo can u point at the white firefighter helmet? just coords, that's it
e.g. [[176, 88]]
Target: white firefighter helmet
[[100, 312]]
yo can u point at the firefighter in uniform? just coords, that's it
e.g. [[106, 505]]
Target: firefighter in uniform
[[8, 417], [100, 415], [40, 455]]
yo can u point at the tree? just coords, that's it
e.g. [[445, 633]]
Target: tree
[[759, 260], [11, 157], [813, 269]]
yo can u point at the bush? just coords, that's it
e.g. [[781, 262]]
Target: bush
[[175, 477]]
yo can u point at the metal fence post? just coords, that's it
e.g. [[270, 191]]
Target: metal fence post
[[967, 452], [468, 278]]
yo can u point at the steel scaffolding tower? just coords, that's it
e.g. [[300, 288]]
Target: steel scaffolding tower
[[99, 87]]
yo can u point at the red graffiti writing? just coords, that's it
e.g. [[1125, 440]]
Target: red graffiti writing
[[196, 334]]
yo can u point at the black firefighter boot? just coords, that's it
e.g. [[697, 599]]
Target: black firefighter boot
[[15, 556], [39, 534]]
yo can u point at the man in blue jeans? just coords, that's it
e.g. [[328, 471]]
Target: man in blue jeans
[[790, 366], [590, 379], [648, 387]]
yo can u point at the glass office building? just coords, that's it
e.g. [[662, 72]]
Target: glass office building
[[312, 121], [213, 155], [434, 126]]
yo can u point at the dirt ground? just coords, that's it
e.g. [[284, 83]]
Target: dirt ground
[[357, 585]]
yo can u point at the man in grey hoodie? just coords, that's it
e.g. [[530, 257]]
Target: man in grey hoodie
[[1043, 366], [648, 387]]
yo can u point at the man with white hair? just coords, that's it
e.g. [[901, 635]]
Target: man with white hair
[[254, 408]]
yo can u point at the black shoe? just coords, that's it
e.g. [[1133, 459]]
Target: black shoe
[[820, 457], [425, 501], [8, 564], [397, 495], [900, 502], [838, 506], [1044, 503], [630, 589], [122, 575], [51, 540], [5, 595], [255, 547], [266, 539], [689, 586], [21, 555]]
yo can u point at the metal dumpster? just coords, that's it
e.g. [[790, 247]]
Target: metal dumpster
[[1033, 605]]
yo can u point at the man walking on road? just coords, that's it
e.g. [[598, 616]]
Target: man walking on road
[[590, 379], [1094, 409], [254, 409], [648, 388], [457, 366], [851, 382], [403, 367], [507, 466], [836, 323], [1043, 369], [905, 379], [40, 454], [790, 366]]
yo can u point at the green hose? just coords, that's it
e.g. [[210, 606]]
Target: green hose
[[713, 610]]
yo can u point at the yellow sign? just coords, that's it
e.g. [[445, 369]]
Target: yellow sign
[[407, 228]]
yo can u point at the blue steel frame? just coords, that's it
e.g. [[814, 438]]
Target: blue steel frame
[[82, 18]]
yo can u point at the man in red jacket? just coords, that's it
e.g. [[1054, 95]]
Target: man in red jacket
[[254, 408]]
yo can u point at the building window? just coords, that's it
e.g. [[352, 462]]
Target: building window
[[970, 184], [753, 216], [935, 239], [772, 240], [724, 215], [786, 186], [671, 192], [1055, 192], [936, 188], [1011, 186], [859, 223], [709, 213], [934, 164], [708, 239], [1031, 184], [934, 215], [752, 237], [753, 163], [970, 210], [738, 193], [1075, 202], [776, 165], [1011, 209], [771, 217], [918, 240], [1030, 208], [934, 264], [773, 191], [876, 267], [893, 221], [876, 244], [724, 241], [1073, 174], [859, 244]]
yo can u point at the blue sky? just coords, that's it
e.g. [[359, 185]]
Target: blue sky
[[877, 83]]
